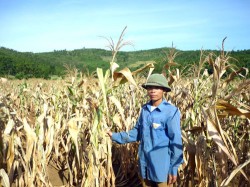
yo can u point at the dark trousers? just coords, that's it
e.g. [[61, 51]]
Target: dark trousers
[[148, 183]]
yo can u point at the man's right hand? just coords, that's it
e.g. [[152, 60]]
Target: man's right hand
[[109, 133]]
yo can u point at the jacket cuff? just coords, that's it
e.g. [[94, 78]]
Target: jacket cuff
[[173, 171], [114, 136]]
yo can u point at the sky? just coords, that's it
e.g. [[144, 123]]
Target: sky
[[48, 25]]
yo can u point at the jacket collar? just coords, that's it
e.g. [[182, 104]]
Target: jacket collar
[[159, 107]]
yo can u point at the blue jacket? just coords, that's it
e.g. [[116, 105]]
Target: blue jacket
[[159, 134]]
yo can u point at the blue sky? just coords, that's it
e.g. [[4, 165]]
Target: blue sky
[[47, 25]]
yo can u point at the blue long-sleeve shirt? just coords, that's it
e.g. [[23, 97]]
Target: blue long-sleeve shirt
[[159, 134]]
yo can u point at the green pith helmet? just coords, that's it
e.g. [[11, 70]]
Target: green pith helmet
[[157, 80]]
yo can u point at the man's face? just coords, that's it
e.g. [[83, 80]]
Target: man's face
[[155, 93]]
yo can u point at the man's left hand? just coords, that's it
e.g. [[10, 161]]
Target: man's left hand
[[172, 179]]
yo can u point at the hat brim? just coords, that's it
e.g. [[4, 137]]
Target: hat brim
[[166, 89]]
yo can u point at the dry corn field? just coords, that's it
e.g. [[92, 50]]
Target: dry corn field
[[53, 131]]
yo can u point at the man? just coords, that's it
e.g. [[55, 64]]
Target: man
[[159, 134]]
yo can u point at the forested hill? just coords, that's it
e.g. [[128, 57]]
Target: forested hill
[[44, 65]]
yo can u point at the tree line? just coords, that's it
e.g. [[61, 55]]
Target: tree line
[[23, 65]]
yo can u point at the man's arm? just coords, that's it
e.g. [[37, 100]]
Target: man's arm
[[175, 145], [126, 137]]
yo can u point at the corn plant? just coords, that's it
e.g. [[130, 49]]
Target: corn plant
[[53, 131]]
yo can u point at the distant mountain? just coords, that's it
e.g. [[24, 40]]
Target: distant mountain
[[27, 64]]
